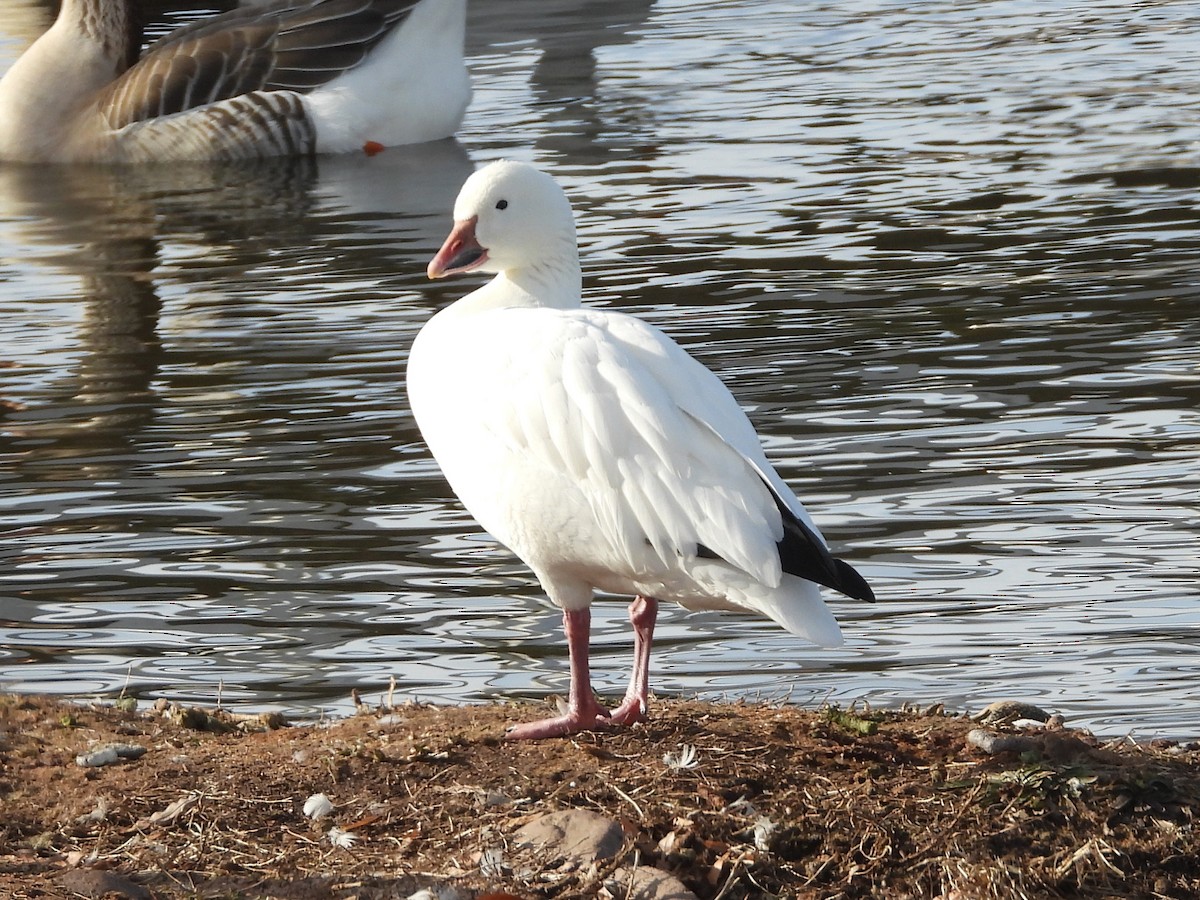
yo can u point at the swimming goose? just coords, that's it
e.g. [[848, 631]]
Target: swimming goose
[[283, 77], [598, 450]]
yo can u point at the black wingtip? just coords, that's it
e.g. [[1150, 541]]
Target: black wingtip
[[804, 554], [851, 583]]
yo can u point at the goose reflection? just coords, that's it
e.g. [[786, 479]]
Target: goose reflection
[[223, 228], [565, 80], [79, 226], [568, 32]]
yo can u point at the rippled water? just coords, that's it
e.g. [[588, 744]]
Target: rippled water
[[947, 253]]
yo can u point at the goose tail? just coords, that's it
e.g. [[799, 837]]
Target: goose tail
[[795, 603]]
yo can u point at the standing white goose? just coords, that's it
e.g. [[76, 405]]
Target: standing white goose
[[284, 77], [596, 449]]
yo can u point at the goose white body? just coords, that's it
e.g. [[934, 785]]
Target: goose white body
[[594, 447], [284, 77], [591, 445]]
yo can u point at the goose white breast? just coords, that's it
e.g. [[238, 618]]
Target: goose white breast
[[284, 77], [599, 451]]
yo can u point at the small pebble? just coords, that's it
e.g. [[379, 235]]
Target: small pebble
[[991, 743], [103, 757], [106, 756]]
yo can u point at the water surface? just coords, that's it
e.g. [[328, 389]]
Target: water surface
[[945, 253]]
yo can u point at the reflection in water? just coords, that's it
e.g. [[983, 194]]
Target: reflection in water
[[583, 120], [119, 340], [170, 302], [944, 252], [103, 237], [101, 225]]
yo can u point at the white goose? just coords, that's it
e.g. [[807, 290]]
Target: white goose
[[596, 449], [283, 77]]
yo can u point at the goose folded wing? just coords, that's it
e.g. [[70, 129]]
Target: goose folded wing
[[593, 399], [268, 47]]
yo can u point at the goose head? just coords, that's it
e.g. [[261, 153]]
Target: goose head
[[509, 218]]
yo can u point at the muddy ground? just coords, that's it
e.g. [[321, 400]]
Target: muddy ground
[[736, 800]]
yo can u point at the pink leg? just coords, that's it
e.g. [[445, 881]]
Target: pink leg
[[642, 613], [583, 712]]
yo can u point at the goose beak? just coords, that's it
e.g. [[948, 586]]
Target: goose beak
[[460, 253]]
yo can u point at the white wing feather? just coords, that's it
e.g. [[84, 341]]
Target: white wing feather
[[655, 442]]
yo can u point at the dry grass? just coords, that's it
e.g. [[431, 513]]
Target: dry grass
[[770, 801]]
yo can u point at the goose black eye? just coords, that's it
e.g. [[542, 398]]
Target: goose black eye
[[501, 204]]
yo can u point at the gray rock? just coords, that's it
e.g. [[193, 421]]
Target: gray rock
[[105, 756], [99, 883], [109, 754], [648, 883], [990, 742], [575, 833]]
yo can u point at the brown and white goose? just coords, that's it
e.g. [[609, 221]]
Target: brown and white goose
[[283, 77]]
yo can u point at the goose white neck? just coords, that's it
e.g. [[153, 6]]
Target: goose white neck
[[556, 283]]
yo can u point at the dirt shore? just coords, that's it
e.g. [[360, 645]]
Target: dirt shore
[[735, 800]]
